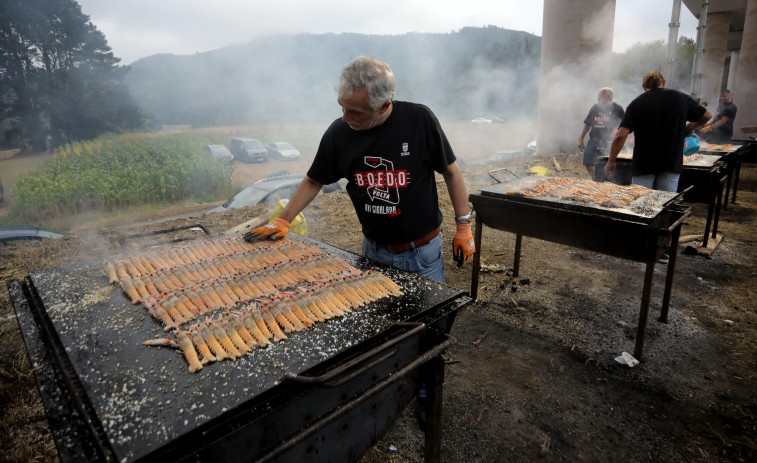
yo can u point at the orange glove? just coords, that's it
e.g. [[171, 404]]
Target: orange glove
[[706, 129], [463, 245], [273, 231]]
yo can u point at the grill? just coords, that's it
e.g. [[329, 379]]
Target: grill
[[745, 151], [701, 181], [325, 394], [638, 235]]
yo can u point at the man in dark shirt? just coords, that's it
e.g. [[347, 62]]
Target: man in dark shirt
[[660, 118], [600, 123], [389, 151], [721, 128]]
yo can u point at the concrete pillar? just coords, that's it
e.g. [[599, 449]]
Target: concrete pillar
[[713, 58], [745, 85], [576, 51], [675, 24], [733, 68]]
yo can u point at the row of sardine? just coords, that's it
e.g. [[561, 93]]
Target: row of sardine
[[198, 260], [193, 298], [268, 319]]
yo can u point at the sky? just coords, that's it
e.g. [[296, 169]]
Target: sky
[[140, 28]]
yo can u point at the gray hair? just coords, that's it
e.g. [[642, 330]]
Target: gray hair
[[607, 91], [371, 74]]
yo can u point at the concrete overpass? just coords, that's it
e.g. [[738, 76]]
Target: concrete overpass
[[577, 51], [727, 56]]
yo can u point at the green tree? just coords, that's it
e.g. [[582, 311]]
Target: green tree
[[59, 80], [630, 66]]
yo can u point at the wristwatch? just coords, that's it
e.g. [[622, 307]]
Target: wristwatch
[[464, 218]]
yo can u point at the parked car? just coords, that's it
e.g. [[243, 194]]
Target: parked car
[[13, 233], [481, 120], [283, 151], [219, 152], [248, 150], [266, 190]]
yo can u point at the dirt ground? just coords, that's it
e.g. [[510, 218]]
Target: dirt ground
[[532, 376]]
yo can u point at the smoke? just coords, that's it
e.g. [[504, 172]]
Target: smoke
[[476, 72], [575, 64]]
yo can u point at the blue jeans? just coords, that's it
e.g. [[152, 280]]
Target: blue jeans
[[664, 181], [594, 149], [425, 261]]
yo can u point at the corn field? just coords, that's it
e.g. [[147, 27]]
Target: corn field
[[127, 170]]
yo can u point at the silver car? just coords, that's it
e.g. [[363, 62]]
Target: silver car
[[266, 190], [283, 151], [219, 152], [248, 150]]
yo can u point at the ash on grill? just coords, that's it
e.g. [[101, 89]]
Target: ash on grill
[[631, 201], [583, 191]]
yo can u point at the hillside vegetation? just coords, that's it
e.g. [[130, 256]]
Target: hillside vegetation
[[291, 78], [473, 72]]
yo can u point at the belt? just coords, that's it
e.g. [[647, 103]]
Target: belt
[[422, 241]]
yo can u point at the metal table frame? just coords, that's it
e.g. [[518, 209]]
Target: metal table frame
[[514, 224], [733, 161]]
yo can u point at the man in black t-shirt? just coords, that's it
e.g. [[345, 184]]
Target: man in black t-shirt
[[389, 152], [602, 120], [721, 128], [660, 118]]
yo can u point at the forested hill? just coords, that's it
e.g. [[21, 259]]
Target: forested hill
[[472, 72]]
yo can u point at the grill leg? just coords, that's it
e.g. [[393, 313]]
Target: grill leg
[[737, 171], [710, 212], [719, 186], [669, 276], [476, 260], [731, 171], [645, 297], [516, 261], [435, 380]]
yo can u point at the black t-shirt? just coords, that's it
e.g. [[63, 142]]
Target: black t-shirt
[[658, 119], [390, 169], [603, 120], [724, 133]]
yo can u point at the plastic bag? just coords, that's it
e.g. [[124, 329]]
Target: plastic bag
[[539, 170], [690, 144], [298, 225]]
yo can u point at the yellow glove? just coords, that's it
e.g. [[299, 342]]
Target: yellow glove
[[706, 129], [273, 231], [463, 245], [581, 143]]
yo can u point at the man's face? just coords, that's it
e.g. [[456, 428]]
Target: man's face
[[725, 97], [358, 114], [604, 99]]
